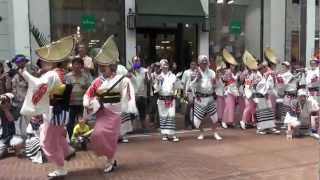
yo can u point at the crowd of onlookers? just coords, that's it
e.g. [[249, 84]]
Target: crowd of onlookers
[[21, 135]]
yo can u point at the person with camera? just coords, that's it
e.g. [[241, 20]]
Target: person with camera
[[9, 141], [19, 90], [138, 77]]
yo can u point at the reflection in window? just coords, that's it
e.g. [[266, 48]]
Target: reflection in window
[[98, 19]]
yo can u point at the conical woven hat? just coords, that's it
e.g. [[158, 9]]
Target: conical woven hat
[[57, 51], [109, 53], [270, 55], [228, 57], [249, 61], [220, 63]]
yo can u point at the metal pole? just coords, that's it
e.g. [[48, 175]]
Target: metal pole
[[262, 31], [30, 35], [303, 32]]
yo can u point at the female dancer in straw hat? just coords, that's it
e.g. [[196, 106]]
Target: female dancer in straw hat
[[108, 96], [47, 96], [231, 90]]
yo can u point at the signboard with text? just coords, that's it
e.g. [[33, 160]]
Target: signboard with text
[[88, 22]]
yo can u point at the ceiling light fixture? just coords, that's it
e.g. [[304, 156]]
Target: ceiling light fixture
[[220, 1], [230, 1]]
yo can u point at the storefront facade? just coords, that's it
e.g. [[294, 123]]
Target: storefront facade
[[169, 28]]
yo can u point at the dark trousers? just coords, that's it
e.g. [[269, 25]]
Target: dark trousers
[[187, 116], [141, 103], [75, 112], [153, 110]]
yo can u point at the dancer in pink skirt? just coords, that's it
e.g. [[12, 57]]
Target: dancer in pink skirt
[[248, 116], [270, 66], [48, 96], [231, 90], [108, 97], [220, 91]]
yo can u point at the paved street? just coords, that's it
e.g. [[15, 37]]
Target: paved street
[[241, 156]]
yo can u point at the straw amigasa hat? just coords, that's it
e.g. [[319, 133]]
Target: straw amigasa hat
[[57, 51], [270, 55], [228, 57], [109, 53], [220, 63], [250, 61]]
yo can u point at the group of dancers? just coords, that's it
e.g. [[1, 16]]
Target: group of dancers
[[261, 92]]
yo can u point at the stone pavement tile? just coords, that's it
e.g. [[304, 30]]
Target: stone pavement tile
[[241, 156]]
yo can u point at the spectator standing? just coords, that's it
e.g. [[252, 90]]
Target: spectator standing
[[80, 82]]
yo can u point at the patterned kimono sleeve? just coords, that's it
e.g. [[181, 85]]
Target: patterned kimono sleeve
[[314, 105], [294, 110], [270, 81], [156, 84], [40, 86], [128, 102], [176, 83], [194, 85], [213, 79], [91, 91]]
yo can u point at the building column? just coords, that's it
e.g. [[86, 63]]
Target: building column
[[20, 20], [307, 30], [130, 39], [204, 36], [310, 30], [275, 26]]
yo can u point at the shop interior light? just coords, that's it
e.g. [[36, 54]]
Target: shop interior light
[[165, 42], [230, 1], [220, 1]]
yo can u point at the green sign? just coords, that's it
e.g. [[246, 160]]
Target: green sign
[[235, 27], [88, 23]]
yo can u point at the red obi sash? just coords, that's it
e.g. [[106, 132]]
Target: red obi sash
[[231, 81], [280, 80]]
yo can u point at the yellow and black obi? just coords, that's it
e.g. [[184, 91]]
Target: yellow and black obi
[[60, 95], [109, 97], [59, 99]]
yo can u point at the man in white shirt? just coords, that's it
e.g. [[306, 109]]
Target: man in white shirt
[[187, 77], [138, 77]]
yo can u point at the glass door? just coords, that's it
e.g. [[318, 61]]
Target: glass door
[[155, 44]]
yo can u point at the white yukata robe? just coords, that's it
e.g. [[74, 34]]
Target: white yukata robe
[[264, 114], [39, 88], [37, 102], [313, 83], [285, 83], [166, 86], [204, 103], [124, 108]]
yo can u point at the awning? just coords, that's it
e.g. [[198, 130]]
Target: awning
[[156, 13]]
